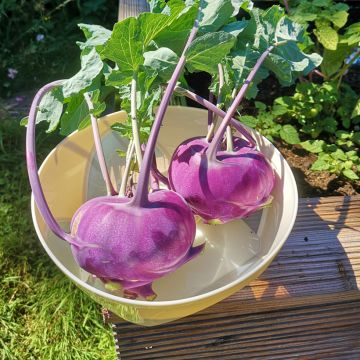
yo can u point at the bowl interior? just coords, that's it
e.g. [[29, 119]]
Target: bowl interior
[[71, 175]]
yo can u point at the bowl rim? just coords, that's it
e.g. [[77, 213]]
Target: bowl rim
[[167, 303]]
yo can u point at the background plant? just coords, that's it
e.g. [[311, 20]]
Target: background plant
[[321, 118], [35, 35], [328, 34]]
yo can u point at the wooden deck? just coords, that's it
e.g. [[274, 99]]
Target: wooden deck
[[305, 306]]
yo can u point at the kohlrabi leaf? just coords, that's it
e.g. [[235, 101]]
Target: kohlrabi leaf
[[124, 46], [288, 30], [241, 4], [288, 62], [96, 36], [176, 33], [75, 113], [146, 108], [50, 109], [151, 25], [162, 60], [174, 7], [241, 63], [235, 27], [157, 6], [118, 77], [207, 51], [91, 66], [215, 14]]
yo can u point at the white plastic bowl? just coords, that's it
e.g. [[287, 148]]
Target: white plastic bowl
[[235, 253]]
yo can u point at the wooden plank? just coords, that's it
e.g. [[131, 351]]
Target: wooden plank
[[305, 306]]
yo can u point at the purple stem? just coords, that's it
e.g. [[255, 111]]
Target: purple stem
[[212, 149], [210, 106], [210, 113], [141, 196], [32, 166], [156, 175], [154, 180], [99, 150]]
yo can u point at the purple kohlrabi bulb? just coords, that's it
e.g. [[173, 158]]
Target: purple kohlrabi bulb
[[232, 186], [133, 246]]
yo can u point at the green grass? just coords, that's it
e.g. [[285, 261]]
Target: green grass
[[42, 314]]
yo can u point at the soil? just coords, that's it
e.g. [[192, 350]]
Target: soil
[[315, 183]]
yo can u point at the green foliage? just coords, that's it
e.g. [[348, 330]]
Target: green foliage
[[318, 108], [38, 39], [207, 51], [321, 116], [333, 157], [286, 61], [266, 122], [327, 20], [42, 314]]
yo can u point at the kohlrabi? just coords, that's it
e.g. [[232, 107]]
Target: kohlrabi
[[222, 185], [122, 241], [134, 238]]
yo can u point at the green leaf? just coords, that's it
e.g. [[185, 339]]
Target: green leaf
[[322, 3], [151, 25], [50, 109], [343, 135], [326, 35], [215, 14], [207, 51], [118, 78], [289, 134], [288, 62], [260, 105], [236, 27], [350, 174], [339, 19], [356, 111], [352, 155], [76, 112], [320, 165], [163, 60], [91, 66], [352, 34], [313, 146], [175, 34], [356, 138], [242, 61], [157, 6], [249, 120], [24, 121], [124, 46], [288, 30], [333, 59], [96, 36], [280, 67], [241, 4], [339, 155]]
